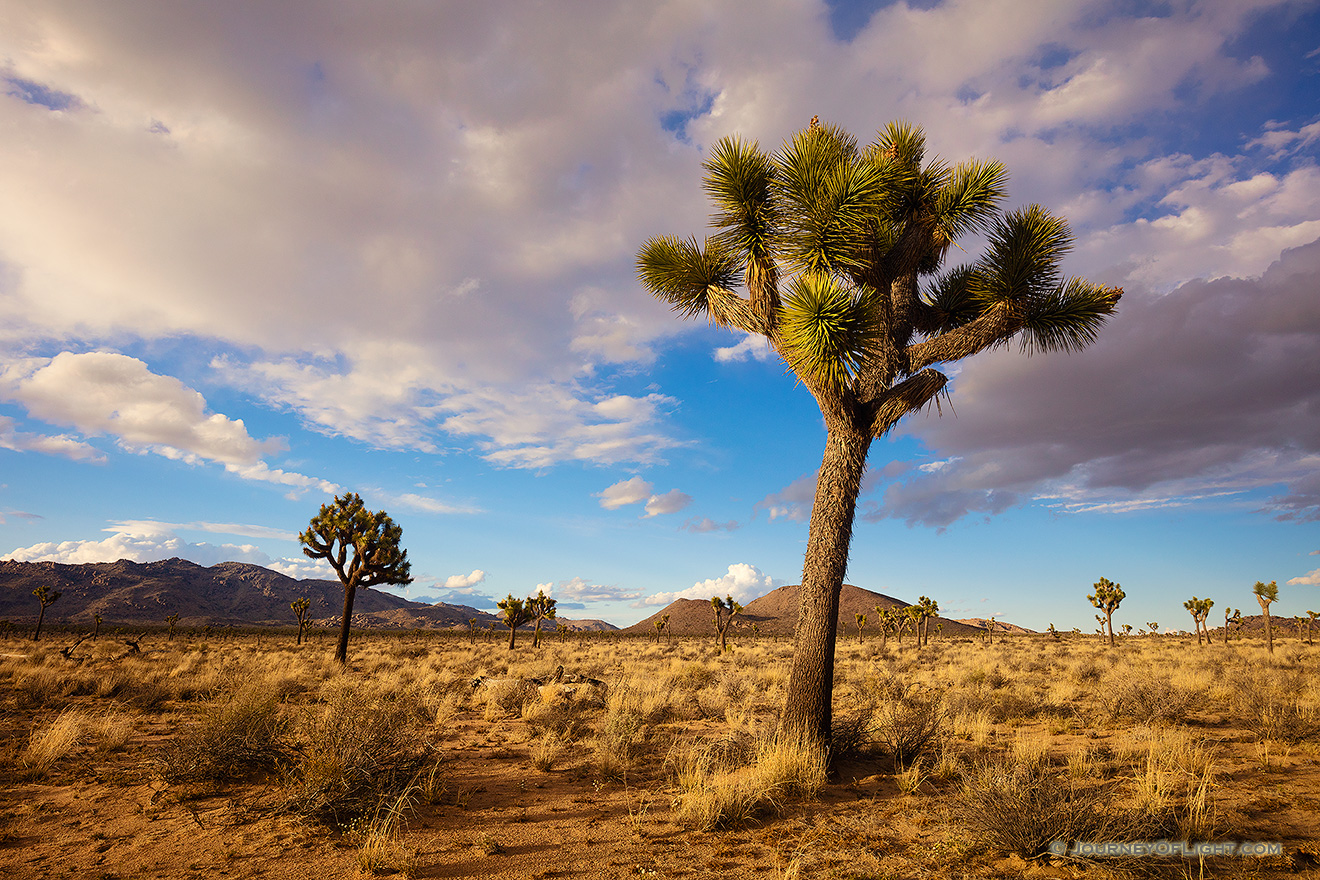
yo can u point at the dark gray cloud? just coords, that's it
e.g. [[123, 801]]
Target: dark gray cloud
[[1209, 391]]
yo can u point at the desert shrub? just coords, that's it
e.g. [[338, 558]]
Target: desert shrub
[[241, 734], [1269, 703], [616, 743], [1024, 807], [508, 698], [357, 750], [1146, 698], [911, 725]]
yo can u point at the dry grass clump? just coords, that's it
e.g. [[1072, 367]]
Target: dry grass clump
[[1270, 701], [1145, 698], [51, 742], [1025, 807], [716, 790], [239, 736], [358, 749], [910, 726], [380, 846]]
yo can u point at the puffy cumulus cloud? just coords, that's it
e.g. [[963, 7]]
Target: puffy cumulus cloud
[[1311, 578], [742, 581], [104, 393], [636, 491], [465, 581], [706, 524], [752, 347], [1203, 395], [167, 174], [577, 592], [671, 502], [137, 548], [624, 492], [153, 540], [57, 444]]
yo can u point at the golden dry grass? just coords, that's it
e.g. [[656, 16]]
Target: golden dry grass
[[675, 767]]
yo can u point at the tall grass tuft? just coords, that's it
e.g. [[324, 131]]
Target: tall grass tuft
[[715, 792]]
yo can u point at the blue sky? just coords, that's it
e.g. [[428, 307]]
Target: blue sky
[[251, 257]]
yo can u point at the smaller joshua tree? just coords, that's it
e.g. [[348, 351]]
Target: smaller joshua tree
[[725, 610], [1265, 594], [861, 624], [1107, 597], [515, 613], [1154, 628], [47, 597], [1200, 610], [927, 608], [884, 619], [1232, 617], [300, 607], [541, 607], [96, 626], [171, 620], [1310, 622]]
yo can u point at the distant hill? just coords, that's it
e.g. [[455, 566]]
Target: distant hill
[[231, 593], [775, 613]]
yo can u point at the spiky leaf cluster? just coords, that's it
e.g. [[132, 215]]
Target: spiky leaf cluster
[[822, 246], [362, 546]]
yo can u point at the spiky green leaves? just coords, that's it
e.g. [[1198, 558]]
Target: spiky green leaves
[[363, 547], [739, 178], [833, 200], [1020, 271], [827, 329], [684, 274]]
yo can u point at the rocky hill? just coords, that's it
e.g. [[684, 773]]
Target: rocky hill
[[231, 593], [775, 613]]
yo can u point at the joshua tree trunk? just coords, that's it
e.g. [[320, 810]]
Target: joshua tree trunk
[[341, 650], [41, 617], [811, 680]]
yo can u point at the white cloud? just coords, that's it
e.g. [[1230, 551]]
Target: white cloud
[[742, 581], [793, 502], [465, 581], [421, 503], [1311, 578], [630, 491], [579, 590], [671, 502], [103, 393], [58, 444], [753, 346]]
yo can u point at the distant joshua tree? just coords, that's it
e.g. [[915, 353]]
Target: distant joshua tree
[[1107, 597], [1200, 610], [171, 620], [927, 608], [300, 607], [561, 629], [515, 613], [1232, 617], [861, 624], [1127, 629], [361, 546], [725, 610], [885, 620], [541, 607], [96, 626], [1054, 633], [1265, 594], [47, 597], [1310, 622], [1154, 628]]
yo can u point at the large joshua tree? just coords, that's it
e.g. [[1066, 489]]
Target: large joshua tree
[[838, 250], [361, 546]]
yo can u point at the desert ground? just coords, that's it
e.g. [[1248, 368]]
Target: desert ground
[[248, 756]]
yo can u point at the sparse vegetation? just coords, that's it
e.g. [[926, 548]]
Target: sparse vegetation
[[1005, 747], [46, 597]]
